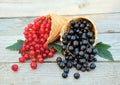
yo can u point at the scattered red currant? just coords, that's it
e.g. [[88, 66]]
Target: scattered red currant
[[14, 67]]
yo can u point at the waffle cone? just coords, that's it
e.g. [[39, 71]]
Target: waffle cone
[[56, 27], [66, 27]]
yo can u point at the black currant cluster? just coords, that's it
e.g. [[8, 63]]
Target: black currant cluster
[[78, 48]]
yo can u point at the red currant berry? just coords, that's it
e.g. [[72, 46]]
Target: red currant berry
[[32, 53], [30, 25], [53, 50], [37, 24], [14, 67], [21, 59], [26, 56], [46, 36], [37, 46], [42, 49], [33, 65], [39, 56], [31, 48], [44, 55], [27, 47], [42, 40], [33, 43], [43, 17], [45, 46], [34, 28], [34, 60], [37, 51], [30, 39], [47, 51], [40, 60], [50, 54]]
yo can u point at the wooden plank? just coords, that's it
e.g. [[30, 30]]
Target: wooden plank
[[105, 23], [104, 74], [76, 7], [12, 56]]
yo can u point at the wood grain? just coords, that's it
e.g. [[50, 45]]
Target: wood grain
[[50, 73], [12, 56], [105, 23], [21, 8]]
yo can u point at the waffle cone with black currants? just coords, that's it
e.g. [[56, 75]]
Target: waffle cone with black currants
[[78, 38]]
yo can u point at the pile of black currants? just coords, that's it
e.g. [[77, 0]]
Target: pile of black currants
[[78, 48]]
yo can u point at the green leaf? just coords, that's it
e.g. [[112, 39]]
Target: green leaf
[[103, 51], [16, 46], [101, 44], [56, 46]]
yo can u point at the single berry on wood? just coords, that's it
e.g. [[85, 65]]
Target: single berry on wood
[[14, 67]]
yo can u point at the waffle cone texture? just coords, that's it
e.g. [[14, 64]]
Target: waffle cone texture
[[57, 23]]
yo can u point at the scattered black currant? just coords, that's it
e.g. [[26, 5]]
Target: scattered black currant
[[76, 75], [64, 75]]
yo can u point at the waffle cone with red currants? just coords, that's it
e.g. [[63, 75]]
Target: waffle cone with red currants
[[38, 35]]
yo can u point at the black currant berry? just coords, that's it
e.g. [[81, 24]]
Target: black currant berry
[[62, 65], [82, 25], [83, 47], [89, 50], [64, 47], [64, 75], [78, 66], [85, 42], [72, 22], [65, 42], [76, 75], [65, 61], [74, 63], [59, 59], [69, 65], [75, 43], [76, 25], [66, 70], [92, 66], [81, 53]]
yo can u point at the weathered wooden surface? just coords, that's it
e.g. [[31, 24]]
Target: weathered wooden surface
[[105, 74], [20, 8], [16, 14]]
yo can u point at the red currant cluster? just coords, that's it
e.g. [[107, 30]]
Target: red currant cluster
[[35, 47]]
